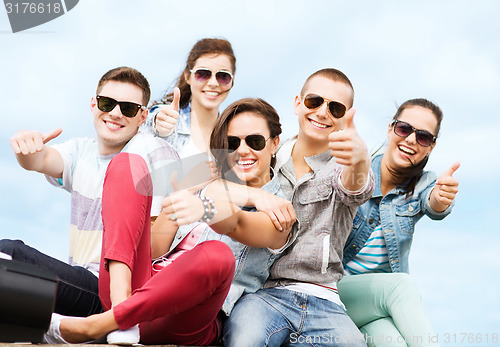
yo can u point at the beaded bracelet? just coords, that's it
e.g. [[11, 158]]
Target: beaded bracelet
[[209, 207]]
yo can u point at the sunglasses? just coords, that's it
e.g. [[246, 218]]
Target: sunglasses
[[203, 75], [255, 142], [423, 137], [313, 101], [107, 104]]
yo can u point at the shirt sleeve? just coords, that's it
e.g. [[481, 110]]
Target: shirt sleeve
[[68, 151], [426, 195], [355, 198]]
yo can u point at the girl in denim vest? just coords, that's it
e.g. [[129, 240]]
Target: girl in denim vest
[[379, 295]]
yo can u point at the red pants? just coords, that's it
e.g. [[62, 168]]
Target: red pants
[[178, 304]]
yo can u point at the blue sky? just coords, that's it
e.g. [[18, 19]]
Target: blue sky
[[446, 51]]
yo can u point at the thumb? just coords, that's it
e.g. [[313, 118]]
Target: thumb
[[177, 98], [349, 118], [452, 169], [52, 135]]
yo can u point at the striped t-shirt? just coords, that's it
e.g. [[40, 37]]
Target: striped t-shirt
[[83, 176], [373, 257]]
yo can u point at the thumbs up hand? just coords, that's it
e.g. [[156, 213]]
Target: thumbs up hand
[[350, 150], [166, 118], [445, 190], [31, 142], [182, 206], [346, 145]]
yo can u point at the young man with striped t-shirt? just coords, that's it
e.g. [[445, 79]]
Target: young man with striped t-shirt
[[79, 166]]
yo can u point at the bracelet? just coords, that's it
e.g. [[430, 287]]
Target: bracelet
[[209, 208]]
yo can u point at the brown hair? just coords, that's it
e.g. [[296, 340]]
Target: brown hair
[[218, 138], [334, 75], [127, 75], [202, 47], [408, 177]]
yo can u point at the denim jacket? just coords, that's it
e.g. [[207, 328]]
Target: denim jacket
[[252, 264], [182, 129], [396, 215]]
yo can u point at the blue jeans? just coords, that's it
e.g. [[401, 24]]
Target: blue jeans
[[77, 291], [281, 317]]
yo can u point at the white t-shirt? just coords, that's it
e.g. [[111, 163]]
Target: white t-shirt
[[83, 176]]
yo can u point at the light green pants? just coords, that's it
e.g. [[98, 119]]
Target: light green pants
[[387, 309]]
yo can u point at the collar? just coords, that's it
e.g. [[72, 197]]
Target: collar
[[318, 161]]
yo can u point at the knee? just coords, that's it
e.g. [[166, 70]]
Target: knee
[[403, 292], [219, 256], [404, 283], [240, 330], [10, 246]]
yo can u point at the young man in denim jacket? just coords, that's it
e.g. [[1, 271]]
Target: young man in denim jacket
[[325, 172]]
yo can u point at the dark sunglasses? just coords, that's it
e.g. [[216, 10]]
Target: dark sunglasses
[[203, 75], [313, 101], [255, 142], [107, 104], [423, 137]]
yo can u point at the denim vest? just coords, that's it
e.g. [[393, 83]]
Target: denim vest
[[396, 215], [252, 264], [182, 129]]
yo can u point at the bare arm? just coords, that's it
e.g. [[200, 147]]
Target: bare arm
[[251, 228], [279, 210], [254, 229], [32, 153], [162, 235]]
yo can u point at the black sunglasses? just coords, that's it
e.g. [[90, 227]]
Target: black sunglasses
[[423, 137], [107, 104], [313, 101], [222, 76], [255, 142]]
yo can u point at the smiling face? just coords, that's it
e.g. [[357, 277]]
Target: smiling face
[[209, 94], [316, 124], [250, 165], [403, 151], [113, 129]]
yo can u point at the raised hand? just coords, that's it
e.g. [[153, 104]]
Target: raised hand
[[182, 206], [445, 190], [346, 145], [167, 116], [31, 142]]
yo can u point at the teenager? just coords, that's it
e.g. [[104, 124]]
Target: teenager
[[380, 296], [78, 166], [325, 172], [203, 85]]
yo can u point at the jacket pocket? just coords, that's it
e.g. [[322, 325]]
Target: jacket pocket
[[406, 215]]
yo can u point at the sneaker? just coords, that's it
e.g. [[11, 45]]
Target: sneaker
[[53, 334], [129, 336]]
